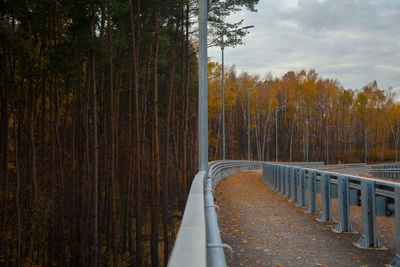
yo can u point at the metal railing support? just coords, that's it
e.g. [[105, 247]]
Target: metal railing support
[[302, 189], [293, 189], [326, 212], [344, 224], [287, 181], [369, 237], [223, 246], [396, 261], [215, 255], [292, 180], [281, 180], [312, 192]]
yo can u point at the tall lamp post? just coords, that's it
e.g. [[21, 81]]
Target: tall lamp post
[[203, 90], [223, 85], [397, 141], [248, 124], [223, 97]]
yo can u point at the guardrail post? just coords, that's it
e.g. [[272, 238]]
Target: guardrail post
[[312, 192], [281, 180], [368, 238], [272, 175], [302, 189], [396, 261], [293, 189], [266, 174], [287, 181], [263, 174], [326, 213], [344, 224]]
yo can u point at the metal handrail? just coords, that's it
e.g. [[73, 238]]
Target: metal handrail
[[199, 240]]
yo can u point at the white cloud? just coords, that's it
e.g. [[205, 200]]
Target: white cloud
[[355, 41]]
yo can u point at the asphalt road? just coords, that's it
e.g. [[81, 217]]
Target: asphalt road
[[351, 170], [265, 229]]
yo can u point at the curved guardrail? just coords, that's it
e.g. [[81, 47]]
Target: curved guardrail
[[199, 241], [342, 165], [376, 197]]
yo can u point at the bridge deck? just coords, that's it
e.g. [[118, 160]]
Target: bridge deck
[[265, 229]]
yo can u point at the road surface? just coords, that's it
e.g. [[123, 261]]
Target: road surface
[[264, 229]]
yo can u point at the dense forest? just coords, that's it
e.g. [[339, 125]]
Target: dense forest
[[98, 136], [316, 119]]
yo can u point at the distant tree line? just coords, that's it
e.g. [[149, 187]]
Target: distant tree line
[[316, 118]]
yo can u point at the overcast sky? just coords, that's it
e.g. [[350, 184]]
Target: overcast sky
[[354, 41]]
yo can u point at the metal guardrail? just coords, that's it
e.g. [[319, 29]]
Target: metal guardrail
[[390, 170], [304, 164], [386, 166], [295, 182], [386, 173], [343, 165], [199, 241]]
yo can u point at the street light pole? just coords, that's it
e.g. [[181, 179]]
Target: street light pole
[[397, 141], [223, 98], [248, 123], [276, 134], [203, 90]]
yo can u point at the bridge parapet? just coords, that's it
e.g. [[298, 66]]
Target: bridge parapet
[[376, 197], [199, 242]]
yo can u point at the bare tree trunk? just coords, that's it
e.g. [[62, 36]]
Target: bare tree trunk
[[135, 35], [4, 168], [17, 200], [112, 144], [34, 189], [156, 143], [383, 140], [61, 174], [186, 108], [167, 149], [95, 184]]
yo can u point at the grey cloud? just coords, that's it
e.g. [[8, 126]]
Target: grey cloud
[[355, 41]]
